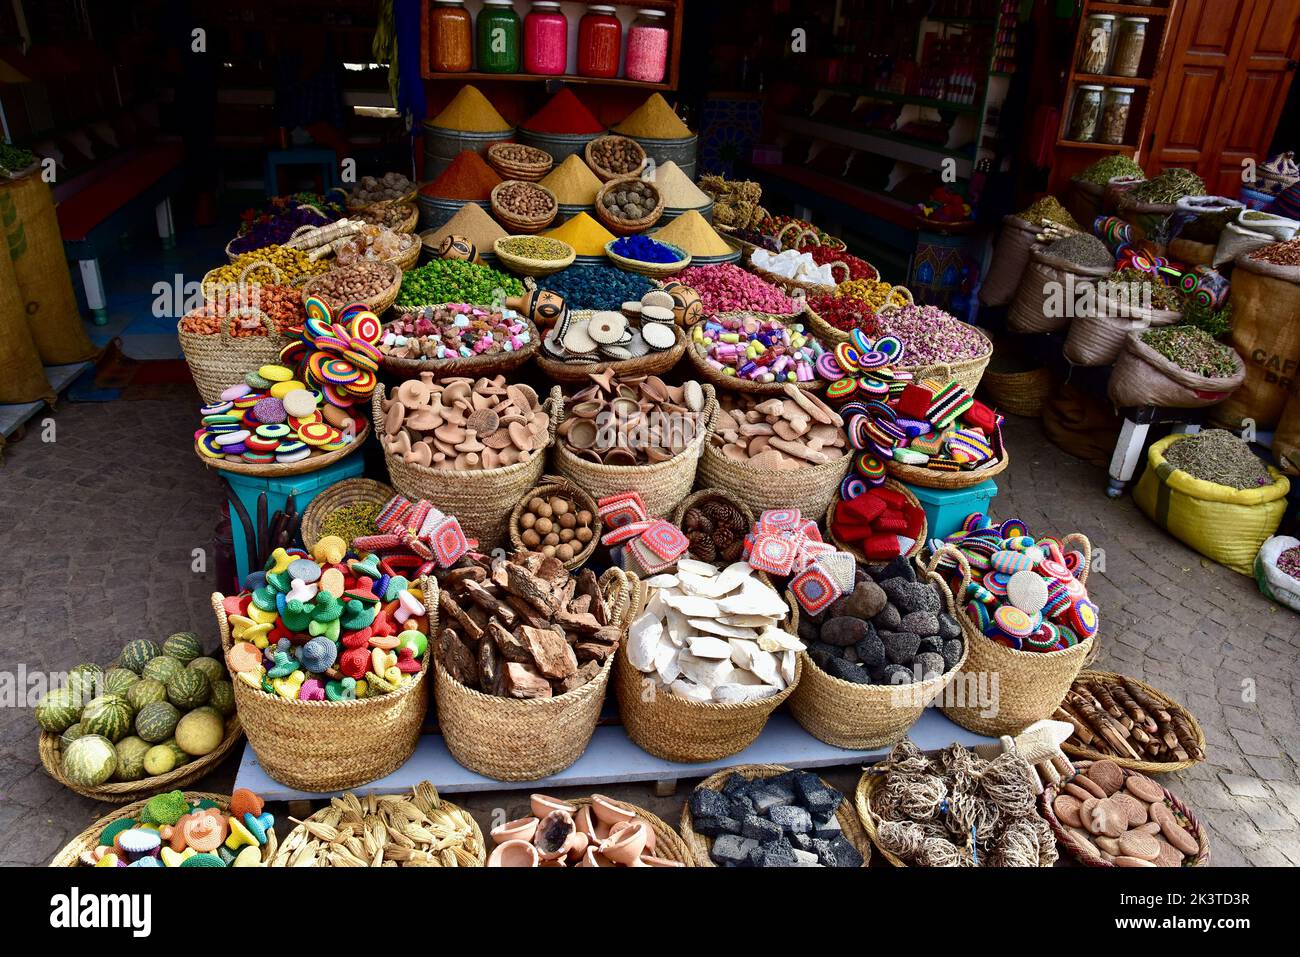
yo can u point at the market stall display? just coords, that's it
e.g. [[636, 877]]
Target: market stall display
[[457, 338], [178, 829], [1124, 720], [162, 716], [588, 832]]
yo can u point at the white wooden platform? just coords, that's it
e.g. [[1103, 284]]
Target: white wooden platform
[[613, 759], [13, 417]]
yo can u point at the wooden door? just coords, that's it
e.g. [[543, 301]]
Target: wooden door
[[1226, 82]]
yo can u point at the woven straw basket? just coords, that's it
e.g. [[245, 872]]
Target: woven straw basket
[[513, 739], [530, 170], [522, 224], [484, 364], [524, 266], [679, 729], [1145, 767], [734, 383], [353, 491], [220, 361], [574, 373], [557, 485], [116, 792], [626, 227], [349, 811], [377, 303], [482, 500], [1018, 393], [1066, 838], [653, 270], [1030, 684], [668, 843], [88, 840], [604, 174], [700, 845], [661, 485], [333, 745], [831, 336], [919, 476], [849, 715], [857, 552], [313, 463], [811, 490], [802, 287], [707, 494]]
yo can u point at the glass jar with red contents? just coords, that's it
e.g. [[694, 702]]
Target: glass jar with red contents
[[451, 46], [600, 39], [647, 46], [546, 40]]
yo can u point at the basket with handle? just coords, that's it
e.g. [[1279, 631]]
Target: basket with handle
[[219, 361]]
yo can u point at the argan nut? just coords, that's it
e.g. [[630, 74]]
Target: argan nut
[[543, 510], [568, 520], [551, 539], [584, 517], [527, 520], [543, 525], [535, 503], [530, 538], [559, 506]]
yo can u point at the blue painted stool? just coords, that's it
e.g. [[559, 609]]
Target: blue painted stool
[[303, 488], [946, 509], [325, 159]]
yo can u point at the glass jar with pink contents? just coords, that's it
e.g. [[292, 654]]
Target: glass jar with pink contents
[[647, 47], [546, 40]]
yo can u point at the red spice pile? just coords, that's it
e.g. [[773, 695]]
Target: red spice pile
[[846, 313], [564, 113], [468, 177]]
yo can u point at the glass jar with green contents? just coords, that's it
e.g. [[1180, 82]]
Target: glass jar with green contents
[[1086, 112], [498, 37]]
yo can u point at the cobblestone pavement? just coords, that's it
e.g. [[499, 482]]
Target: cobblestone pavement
[[100, 526]]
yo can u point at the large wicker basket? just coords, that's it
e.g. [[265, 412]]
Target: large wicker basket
[[219, 361], [333, 745], [1077, 750], [482, 500], [701, 845], [512, 739], [1018, 393], [556, 485], [88, 840], [811, 490], [1030, 684], [860, 717], [483, 364], [353, 491], [661, 484], [733, 383]]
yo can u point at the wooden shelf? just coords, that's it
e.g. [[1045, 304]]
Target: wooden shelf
[[905, 98], [1107, 147], [1137, 82], [896, 146], [531, 77], [1129, 9]]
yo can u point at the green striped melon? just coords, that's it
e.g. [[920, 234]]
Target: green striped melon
[[90, 760], [162, 668], [72, 734], [199, 732], [181, 756], [130, 758], [156, 721], [188, 689], [146, 691], [138, 653], [58, 710], [108, 715], [86, 681], [212, 669], [184, 646], [119, 680], [160, 759], [223, 697]]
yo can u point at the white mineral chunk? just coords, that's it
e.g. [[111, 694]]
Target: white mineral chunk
[[774, 639], [706, 646], [692, 567], [705, 671], [692, 606], [689, 689], [665, 663], [643, 639], [739, 694], [715, 627]]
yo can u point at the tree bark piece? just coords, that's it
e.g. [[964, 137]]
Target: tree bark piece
[[522, 681], [552, 655], [510, 647]]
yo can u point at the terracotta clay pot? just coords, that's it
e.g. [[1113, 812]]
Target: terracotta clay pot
[[514, 854]]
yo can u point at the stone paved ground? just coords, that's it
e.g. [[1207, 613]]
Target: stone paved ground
[[99, 528]]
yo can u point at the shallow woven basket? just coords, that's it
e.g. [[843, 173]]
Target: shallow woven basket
[[679, 729], [481, 499], [661, 484], [1018, 393], [668, 843], [1076, 750], [410, 218], [831, 336], [523, 266], [333, 745], [734, 383], [557, 485], [530, 171], [857, 552], [524, 224], [1067, 840], [352, 491], [513, 739], [811, 490], [626, 227], [484, 364], [861, 717], [797, 286], [966, 372], [219, 361], [653, 270], [377, 303], [312, 463], [408, 259], [1031, 684], [425, 797], [575, 373], [604, 174], [708, 494], [700, 845], [407, 197], [115, 792], [88, 840], [920, 477]]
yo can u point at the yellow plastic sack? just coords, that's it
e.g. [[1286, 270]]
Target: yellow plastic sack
[[1223, 524]]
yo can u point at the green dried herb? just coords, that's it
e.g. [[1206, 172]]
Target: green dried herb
[[1215, 323], [1048, 209], [1220, 457], [1104, 170], [1169, 187], [353, 521], [1192, 350]]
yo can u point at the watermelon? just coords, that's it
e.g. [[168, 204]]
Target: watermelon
[[58, 710], [211, 668], [188, 689], [119, 680], [156, 721], [146, 691], [136, 654], [199, 732], [86, 681], [108, 715], [72, 734], [90, 760], [130, 758], [184, 646], [162, 668], [223, 697]]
